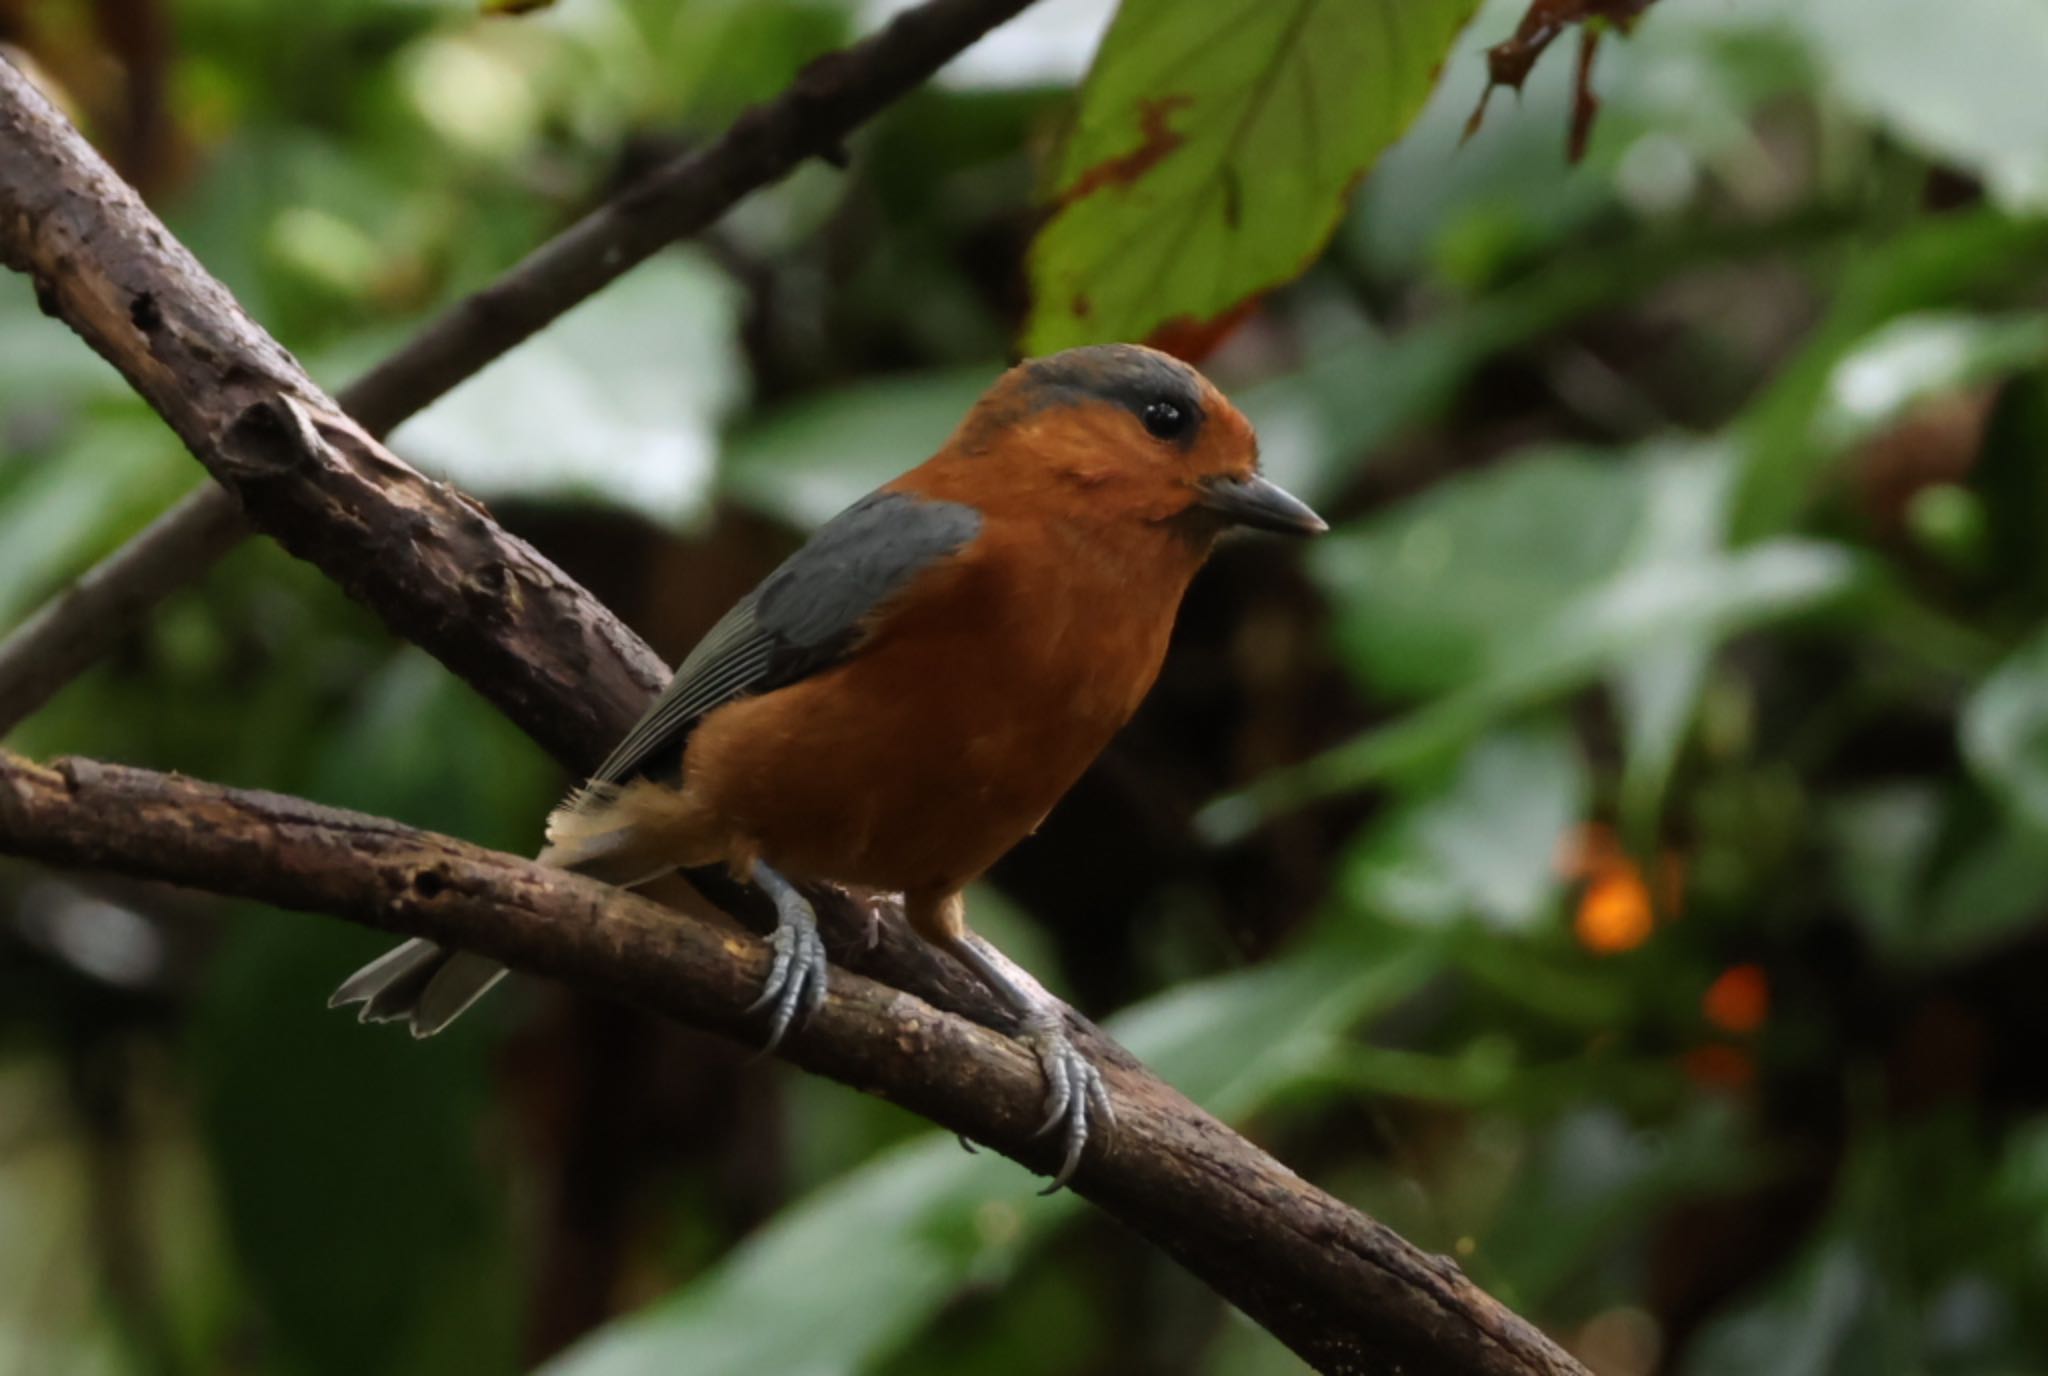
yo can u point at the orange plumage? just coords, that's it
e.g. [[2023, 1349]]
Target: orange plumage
[[913, 691]]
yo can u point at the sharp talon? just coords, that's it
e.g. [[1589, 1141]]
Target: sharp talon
[[1105, 1111], [819, 988], [966, 1145], [778, 970], [1077, 1098], [798, 978], [1059, 1091]]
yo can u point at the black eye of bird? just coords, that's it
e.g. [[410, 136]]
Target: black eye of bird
[[1164, 420]]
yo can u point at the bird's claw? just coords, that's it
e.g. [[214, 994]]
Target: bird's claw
[[796, 981], [1076, 1096]]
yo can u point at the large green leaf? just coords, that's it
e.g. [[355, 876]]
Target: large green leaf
[[1213, 150], [1488, 845], [1960, 81], [619, 401], [1439, 588]]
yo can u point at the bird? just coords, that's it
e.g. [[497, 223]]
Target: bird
[[906, 697]]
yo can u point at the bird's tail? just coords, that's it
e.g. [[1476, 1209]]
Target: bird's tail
[[430, 986], [419, 983]]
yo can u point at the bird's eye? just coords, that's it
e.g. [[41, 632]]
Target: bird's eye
[[1164, 420]]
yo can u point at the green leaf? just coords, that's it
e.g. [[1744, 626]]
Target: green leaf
[[1933, 265], [1214, 149], [365, 1223], [423, 747], [2005, 731], [1819, 1320], [1882, 840], [1993, 888], [1960, 81], [111, 477], [871, 1258], [42, 363], [810, 460], [619, 402], [1588, 1187], [1432, 593], [1917, 356], [1486, 847], [1684, 518]]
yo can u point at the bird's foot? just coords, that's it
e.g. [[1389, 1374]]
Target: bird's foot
[[796, 981], [1076, 1096]]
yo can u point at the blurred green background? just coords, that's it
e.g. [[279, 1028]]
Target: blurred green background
[[1617, 856]]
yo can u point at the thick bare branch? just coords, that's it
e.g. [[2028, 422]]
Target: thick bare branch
[[828, 100], [1344, 1291]]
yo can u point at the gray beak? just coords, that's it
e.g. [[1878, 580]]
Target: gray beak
[[1262, 505]]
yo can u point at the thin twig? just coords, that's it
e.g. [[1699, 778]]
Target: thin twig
[[827, 101]]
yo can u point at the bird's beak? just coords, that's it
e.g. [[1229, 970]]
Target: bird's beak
[[1255, 502]]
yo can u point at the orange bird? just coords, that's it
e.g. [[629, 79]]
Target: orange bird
[[908, 695]]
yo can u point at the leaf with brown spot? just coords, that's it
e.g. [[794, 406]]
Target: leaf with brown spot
[[1188, 338], [1213, 153], [1157, 139]]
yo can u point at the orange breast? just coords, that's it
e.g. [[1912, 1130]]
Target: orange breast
[[976, 703]]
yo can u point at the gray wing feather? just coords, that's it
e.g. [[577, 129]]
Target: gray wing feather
[[805, 617]]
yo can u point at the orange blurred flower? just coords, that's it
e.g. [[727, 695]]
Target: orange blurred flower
[[1739, 1000], [1617, 909]]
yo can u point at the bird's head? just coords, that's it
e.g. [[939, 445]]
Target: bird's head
[[1129, 430]]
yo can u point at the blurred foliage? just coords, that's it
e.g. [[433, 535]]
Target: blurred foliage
[[1617, 856]]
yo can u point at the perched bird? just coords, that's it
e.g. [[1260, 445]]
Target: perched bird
[[908, 695]]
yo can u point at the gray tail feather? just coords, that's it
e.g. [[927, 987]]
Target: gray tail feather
[[430, 986], [419, 983]]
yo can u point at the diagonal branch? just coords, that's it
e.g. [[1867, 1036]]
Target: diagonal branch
[[1345, 1292], [1340, 1288], [829, 99]]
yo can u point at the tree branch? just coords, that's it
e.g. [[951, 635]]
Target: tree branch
[[1341, 1289], [827, 101], [1345, 1292]]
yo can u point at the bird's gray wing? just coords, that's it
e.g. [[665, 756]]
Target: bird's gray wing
[[805, 617]]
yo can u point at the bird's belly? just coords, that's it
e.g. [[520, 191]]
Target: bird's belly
[[865, 775]]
